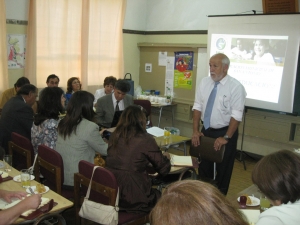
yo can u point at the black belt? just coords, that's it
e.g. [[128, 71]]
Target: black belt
[[219, 129]]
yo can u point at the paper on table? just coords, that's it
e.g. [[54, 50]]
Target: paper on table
[[251, 214], [177, 160], [5, 205], [155, 131]]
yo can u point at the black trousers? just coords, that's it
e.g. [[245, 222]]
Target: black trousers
[[224, 169]]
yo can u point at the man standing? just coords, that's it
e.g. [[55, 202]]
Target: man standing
[[219, 102], [11, 92], [17, 115], [116, 101]]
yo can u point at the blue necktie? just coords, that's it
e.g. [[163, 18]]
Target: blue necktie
[[209, 106]]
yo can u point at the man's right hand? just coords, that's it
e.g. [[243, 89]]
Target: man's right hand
[[195, 138]]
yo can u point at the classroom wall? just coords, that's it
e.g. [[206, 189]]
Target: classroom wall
[[167, 15], [150, 15]]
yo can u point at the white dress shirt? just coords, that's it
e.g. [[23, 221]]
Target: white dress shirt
[[121, 103], [229, 102], [98, 94]]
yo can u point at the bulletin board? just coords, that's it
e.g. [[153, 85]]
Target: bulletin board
[[155, 80]]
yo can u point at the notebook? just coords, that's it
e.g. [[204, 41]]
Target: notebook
[[177, 160]]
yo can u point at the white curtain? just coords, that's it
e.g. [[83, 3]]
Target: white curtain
[[75, 38], [3, 49]]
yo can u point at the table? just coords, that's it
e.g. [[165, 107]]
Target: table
[[160, 107], [251, 190], [171, 141], [11, 185]]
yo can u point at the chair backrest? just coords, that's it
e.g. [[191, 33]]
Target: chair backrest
[[51, 166], [146, 104], [102, 177], [206, 150], [103, 190], [22, 150]]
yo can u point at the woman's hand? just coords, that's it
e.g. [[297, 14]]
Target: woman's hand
[[167, 155], [7, 195], [101, 131]]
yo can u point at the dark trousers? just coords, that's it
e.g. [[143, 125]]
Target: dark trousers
[[224, 169]]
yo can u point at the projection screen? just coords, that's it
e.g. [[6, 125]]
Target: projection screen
[[263, 52]]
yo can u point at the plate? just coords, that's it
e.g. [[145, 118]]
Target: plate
[[4, 174], [34, 188], [255, 201], [18, 178]]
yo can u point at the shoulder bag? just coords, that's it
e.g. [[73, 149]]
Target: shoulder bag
[[97, 212]]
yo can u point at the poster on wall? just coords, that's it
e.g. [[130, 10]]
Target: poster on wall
[[16, 51], [183, 70], [169, 77]]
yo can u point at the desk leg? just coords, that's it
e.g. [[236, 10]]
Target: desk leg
[[192, 170], [160, 110], [184, 148], [172, 115]]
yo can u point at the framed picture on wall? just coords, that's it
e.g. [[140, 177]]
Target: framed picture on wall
[[148, 67]]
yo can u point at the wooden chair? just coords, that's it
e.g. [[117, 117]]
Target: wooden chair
[[104, 190], [146, 104], [207, 152], [21, 150], [50, 165]]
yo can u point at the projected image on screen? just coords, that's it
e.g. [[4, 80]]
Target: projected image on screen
[[256, 61]]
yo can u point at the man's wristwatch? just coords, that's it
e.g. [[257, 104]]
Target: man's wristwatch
[[226, 137]]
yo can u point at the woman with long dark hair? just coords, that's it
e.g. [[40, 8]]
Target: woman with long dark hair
[[78, 136], [44, 128], [131, 149]]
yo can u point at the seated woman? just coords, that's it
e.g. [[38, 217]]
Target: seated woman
[[277, 176], [195, 202], [78, 137], [44, 127], [108, 86], [73, 85], [130, 150]]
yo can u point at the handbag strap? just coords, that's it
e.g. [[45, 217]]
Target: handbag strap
[[90, 185]]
